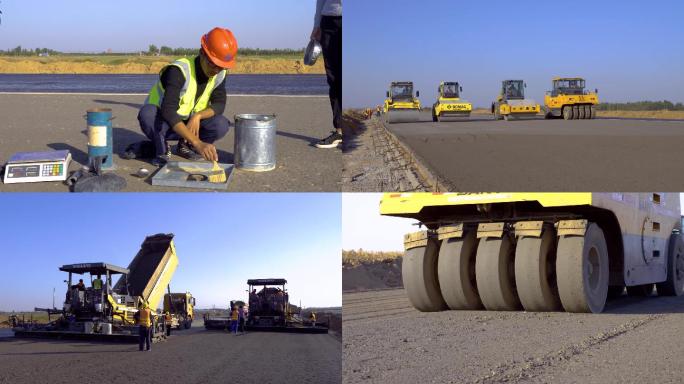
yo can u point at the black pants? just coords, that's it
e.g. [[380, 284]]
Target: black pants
[[145, 338], [331, 42]]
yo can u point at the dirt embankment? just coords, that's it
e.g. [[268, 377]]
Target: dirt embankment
[[371, 270], [134, 65]]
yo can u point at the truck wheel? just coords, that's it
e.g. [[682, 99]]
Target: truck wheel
[[580, 112], [456, 272], [674, 285], [640, 290], [582, 271], [495, 273], [567, 112], [535, 272], [419, 274]]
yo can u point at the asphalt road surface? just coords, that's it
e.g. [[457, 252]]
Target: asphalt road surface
[[189, 356], [635, 340], [44, 122], [482, 154]]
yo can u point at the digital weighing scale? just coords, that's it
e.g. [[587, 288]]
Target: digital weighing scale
[[31, 167]]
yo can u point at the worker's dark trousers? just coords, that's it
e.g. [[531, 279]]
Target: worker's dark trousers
[[158, 130], [145, 337], [331, 42]]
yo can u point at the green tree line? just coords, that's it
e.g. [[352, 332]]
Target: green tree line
[[151, 51], [642, 106]]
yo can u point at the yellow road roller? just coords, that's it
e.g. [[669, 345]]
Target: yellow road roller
[[538, 251], [511, 103], [401, 106], [569, 99], [449, 104]]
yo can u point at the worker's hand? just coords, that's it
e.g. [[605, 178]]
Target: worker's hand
[[194, 125], [316, 34], [208, 151]]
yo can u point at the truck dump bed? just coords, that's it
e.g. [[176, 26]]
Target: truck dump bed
[[151, 269]]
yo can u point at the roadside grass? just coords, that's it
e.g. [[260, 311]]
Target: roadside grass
[[351, 258]]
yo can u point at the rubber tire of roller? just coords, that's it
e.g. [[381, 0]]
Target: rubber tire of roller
[[587, 111], [643, 290], [572, 270], [593, 111], [419, 275], [575, 112], [580, 112], [494, 273], [674, 285], [535, 272], [456, 272], [567, 112]]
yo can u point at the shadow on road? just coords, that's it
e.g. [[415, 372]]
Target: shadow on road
[[310, 140], [645, 305], [76, 154]]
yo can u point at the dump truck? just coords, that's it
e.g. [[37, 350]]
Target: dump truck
[[569, 99], [538, 251], [449, 104], [181, 308], [270, 310], [511, 103], [400, 105], [105, 311]]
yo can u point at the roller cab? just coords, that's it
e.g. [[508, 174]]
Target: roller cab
[[511, 103], [449, 104], [401, 106], [569, 99]]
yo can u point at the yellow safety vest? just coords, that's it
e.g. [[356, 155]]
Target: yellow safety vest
[[187, 105], [145, 317]]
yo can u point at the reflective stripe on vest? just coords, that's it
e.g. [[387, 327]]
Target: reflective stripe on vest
[[187, 104], [145, 318]]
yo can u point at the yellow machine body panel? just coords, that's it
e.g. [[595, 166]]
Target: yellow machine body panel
[[389, 104], [508, 109], [164, 278]]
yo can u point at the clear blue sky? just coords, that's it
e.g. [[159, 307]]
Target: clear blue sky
[[221, 241], [126, 25], [629, 50]]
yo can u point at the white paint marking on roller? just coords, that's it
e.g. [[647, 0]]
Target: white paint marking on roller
[[145, 94], [97, 135]]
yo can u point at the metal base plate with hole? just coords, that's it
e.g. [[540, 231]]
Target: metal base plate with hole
[[187, 174]]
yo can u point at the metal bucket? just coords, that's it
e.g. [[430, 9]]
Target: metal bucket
[[255, 142], [106, 328], [88, 327], [100, 136]]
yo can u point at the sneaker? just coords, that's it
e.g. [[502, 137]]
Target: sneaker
[[331, 141], [161, 160], [185, 150]]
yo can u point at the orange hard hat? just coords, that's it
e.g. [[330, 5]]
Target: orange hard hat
[[220, 47]]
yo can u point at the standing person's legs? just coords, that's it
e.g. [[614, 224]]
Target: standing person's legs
[[148, 340], [331, 44], [142, 336]]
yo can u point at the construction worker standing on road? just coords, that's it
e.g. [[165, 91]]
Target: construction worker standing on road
[[312, 317], [241, 318], [234, 317], [187, 103], [167, 321], [144, 319], [327, 30]]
